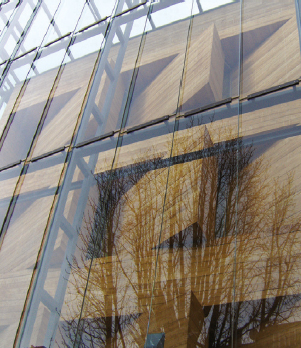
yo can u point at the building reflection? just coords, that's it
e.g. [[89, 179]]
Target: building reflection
[[190, 234], [219, 265]]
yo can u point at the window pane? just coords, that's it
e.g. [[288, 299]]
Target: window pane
[[65, 19], [191, 303], [98, 210], [212, 58], [94, 11], [71, 89], [268, 259], [22, 240], [25, 119], [39, 26], [12, 86], [124, 238], [6, 13], [13, 33], [271, 50], [63, 275], [160, 71], [124, 5], [109, 92], [8, 180]]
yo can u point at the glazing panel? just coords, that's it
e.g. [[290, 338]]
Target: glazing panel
[[58, 296], [25, 117], [8, 180], [12, 85], [271, 49], [22, 241], [160, 69], [212, 58], [122, 245], [192, 291], [65, 19], [109, 92], [39, 26], [127, 5], [71, 88], [268, 286], [14, 31], [94, 11], [5, 13]]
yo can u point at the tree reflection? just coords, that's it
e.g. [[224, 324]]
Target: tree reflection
[[227, 252]]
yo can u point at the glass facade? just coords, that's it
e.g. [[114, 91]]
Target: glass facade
[[150, 173]]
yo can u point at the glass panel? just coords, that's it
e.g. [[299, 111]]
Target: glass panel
[[12, 86], [30, 108], [87, 204], [63, 274], [268, 286], [191, 302], [94, 11], [126, 5], [14, 31], [8, 180], [70, 90], [271, 50], [6, 12], [65, 19], [39, 26], [109, 91], [23, 239], [122, 245], [161, 66], [212, 58]]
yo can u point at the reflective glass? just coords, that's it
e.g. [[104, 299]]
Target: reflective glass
[[53, 317], [271, 50], [12, 86], [127, 5], [26, 116], [8, 180], [161, 66], [212, 58], [268, 286], [39, 26], [5, 13], [122, 246], [22, 241], [110, 88], [65, 19], [94, 11], [195, 251], [71, 89], [13, 32], [176, 222]]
